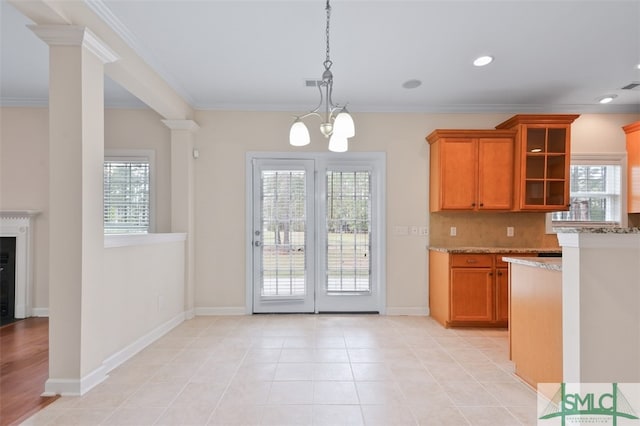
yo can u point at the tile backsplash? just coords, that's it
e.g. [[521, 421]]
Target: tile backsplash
[[484, 229]]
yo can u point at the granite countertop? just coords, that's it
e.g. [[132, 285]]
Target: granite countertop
[[491, 250], [606, 230], [550, 263]]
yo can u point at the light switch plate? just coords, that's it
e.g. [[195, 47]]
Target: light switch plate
[[453, 231]]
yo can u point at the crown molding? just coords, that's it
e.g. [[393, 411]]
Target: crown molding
[[74, 35]]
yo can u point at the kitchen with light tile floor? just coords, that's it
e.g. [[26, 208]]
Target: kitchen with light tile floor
[[309, 370]]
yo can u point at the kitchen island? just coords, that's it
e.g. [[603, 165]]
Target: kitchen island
[[535, 318]]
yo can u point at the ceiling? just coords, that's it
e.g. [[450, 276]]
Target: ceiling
[[550, 56]]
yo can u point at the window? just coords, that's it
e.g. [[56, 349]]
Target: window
[[596, 193], [127, 193]]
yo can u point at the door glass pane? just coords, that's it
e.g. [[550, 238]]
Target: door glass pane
[[348, 232], [283, 221]]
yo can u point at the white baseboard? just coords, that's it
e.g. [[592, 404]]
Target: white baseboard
[[190, 314], [413, 311], [72, 387], [130, 350], [40, 312], [221, 311]]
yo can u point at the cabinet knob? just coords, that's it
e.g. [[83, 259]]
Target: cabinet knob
[[481, 204], [473, 204]]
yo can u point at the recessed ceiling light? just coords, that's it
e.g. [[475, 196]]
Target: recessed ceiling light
[[482, 61], [606, 99], [411, 84], [638, 66]]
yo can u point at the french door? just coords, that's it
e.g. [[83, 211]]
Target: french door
[[316, 243]]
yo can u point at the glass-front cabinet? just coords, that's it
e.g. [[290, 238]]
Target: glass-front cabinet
[[542, 155]]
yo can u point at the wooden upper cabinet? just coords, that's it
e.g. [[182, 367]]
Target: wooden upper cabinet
[[471, 169], [542, 160], [633, 166]]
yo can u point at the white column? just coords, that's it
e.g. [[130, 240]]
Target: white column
[[182, 197], [76, 239]]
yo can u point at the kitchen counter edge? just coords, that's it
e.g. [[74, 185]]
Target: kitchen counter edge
[[496, 250], [550, 263]]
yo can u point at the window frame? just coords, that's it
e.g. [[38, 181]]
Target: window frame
[[131, 155], [613, 159]]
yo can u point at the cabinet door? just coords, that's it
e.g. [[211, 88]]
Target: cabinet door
[[546, 168], [502, 295], [458, 172], [495, 174], [471, 294], [633, 167]]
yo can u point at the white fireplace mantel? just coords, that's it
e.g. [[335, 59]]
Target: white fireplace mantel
[[19, 224]]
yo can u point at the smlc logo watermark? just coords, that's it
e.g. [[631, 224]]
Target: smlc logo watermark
[[616, 404]]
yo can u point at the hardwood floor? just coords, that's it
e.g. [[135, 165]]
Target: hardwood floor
[[24, 368]]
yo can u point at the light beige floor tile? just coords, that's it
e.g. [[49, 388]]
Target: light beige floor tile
[[134, 416], [232, 414], [489, 416], [214, 371], [405, 373], [337, 415], [330, 341], [246, 393], [424, 394], [256, 372], [285, 393], [200, 393], [379, 393], [287, 415], [332, 371], [365, 355], [469, 394], [512, 394], [294, 371], [331, 355], [372, 371], [469, 356], [195, 414], [82, 417], [297, 355], [334, 392], [174, 372], [488, 372], [153, 395], [298, 342], [527, 415], [45, 416], [438, 415], [449, 372], [268, 342], [262, 355], [388, 415]]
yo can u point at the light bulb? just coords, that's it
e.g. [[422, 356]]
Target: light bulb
[[299, 134]]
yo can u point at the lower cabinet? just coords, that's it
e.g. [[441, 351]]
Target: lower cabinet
[[469, 289]]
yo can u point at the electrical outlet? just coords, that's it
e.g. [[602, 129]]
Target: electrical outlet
[[424, 231], [453, 231], [414, 230], [510, 231]]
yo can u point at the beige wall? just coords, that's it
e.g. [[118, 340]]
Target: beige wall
[[223, 140], [24, 177]]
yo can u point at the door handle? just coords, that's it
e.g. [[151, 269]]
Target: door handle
[[257, 243]]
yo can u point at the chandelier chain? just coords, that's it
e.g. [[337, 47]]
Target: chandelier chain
[[327, 62]]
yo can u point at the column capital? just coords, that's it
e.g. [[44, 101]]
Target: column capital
[[188, 125], [74, 35]]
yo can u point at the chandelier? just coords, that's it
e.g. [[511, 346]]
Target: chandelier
[[337, 124]]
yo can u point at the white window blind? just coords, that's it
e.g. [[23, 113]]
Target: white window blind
[[126, 195], [596, 194]]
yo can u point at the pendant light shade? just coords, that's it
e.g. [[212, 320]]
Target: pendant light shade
[[338, 143], [299, 134], [343, 126]]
